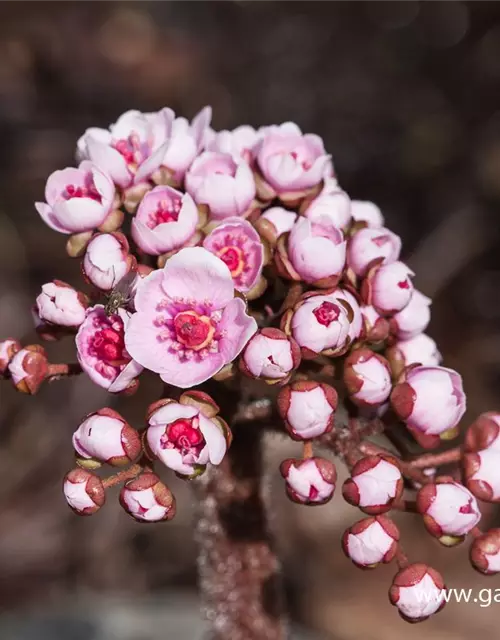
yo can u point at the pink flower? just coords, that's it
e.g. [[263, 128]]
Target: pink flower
[[61, 305], [485, 552], [418, 350], [104, 436], [308, 408], [28, 368], [413, 319], [222, 183], [271, 356], [431, 401], [101, 350], [290, 161], [239, 142], [107, 260], [388, 288], [8, 349], [367, 376], [319, 324], [84, 492], [371, 541], [184, 438], [147, 499], [350, 302], [332, 203], [368, 247], [77, 200], [418, 592], [310, 481], [315, 253], [188, 324], [165, 220], [239, 246], [375, 483], [450, 510], [274, 222], [132, 149], [367, 212], [375, 327]]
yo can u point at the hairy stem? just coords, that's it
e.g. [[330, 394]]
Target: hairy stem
[[239, 573]]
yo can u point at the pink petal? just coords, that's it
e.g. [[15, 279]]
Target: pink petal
[[239, 328], [150, 291], [110, 161], [48, 217], [150, 164], [216, 443]]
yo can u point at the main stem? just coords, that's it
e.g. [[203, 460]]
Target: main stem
[[239, 573]]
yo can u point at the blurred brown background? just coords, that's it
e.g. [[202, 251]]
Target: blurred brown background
[[406, 96]]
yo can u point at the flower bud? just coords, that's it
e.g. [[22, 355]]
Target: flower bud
[[450, 511], [367, 213], [147, 499], [310, 481], [418, 592], [274, 222], [368, 247], [371, 541], [413, 319], [350, 302], [60, 304], [375, 483], [106, 437], [28, 368], [481, 474], [107, 260], [375, 327], [484, 433], [184, 438], [308, 408], [8, 349], [271, 356], [388, 287], [485, 552], [431, 401], [84, 492], [367, 377], [418, 350], [332, 203]]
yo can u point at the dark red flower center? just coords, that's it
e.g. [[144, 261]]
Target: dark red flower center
[[467, 508], [326, 313], [81, 192], [108, 345], [193, 330], [313, 493], [130, 149], [183, 436], [233, 257], [167, 211]]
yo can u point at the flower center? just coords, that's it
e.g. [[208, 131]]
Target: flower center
[[234, 258], [166, 211], [404, 284], [326, 313], [313, 493], [131, 149], [193, 330], [182, 436], [88, 191], [108, 345]]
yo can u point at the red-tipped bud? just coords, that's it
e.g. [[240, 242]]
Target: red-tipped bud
[[485, 552], [147, 499], [28, 368], [418, 592], [310, 481], [371, 541], [367, 376], [84, 492], [271, 356], [308, 408], [8, 349], [375, 483]]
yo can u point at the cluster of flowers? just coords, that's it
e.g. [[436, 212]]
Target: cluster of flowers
[[188, 287]]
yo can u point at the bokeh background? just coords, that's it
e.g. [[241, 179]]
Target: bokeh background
[[407, 98]]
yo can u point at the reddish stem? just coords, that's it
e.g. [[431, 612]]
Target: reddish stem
[[401, 557], [436, 459], [410, 506], [122, 476], [56, 371], [307, 451]]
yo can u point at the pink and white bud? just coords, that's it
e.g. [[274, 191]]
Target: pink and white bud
[[371, 541], [84, 492], [28, 368], [309, 481], [367, 376], [61, 305], [484, 433], [107, 260], [147, 499], [314, 252], [413, 319], [165, 221], [485, 552], [270, 355], [388, 287], [184, 438], [349, 301], [8, 349], [369, 247], [418, 350], [418, 591], [481, 474], [431, 401], [77, 200], [375, 327], [239, 142], [239, 246], [104, 436], [308, 408], [226, 186], [332, 203], [450, 510], [375, 483], [367, 212], [274, 222]]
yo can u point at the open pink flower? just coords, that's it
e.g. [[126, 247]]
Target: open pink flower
[[185, 439], [107, 260], [332, 203], [239, 246], [77, 200], [165, 220], [60, 304], [188, 324], [101, 350], [290, 161], [239, 142], [222, 183], [132, 149]]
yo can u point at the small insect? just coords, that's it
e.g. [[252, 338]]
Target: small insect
[[121, 295]]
